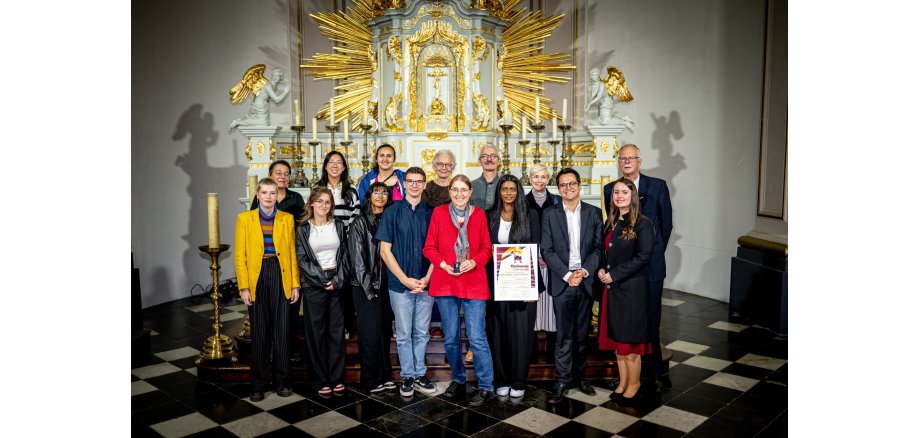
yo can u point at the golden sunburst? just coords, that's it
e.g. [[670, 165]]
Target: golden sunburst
[[525, 68]]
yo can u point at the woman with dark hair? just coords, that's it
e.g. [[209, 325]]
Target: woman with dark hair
[[510, 323], [629, 242], [322, 256], [289, 201], [459, 248], [335, 178], [383, 171], [370, 293], [540, 199]]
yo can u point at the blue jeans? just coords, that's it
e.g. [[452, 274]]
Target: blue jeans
[[474, 315], [412, 313]]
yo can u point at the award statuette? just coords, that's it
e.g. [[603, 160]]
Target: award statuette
[[461, 252]]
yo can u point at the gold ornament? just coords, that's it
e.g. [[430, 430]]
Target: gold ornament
[[253, 81], [615, 83]]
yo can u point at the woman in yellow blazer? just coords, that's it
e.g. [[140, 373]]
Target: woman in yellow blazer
[[266, 268]]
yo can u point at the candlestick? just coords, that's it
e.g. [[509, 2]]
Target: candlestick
[[366, 159], [552, 177], [332, 130], [314, 129], [566, 150], [218, 348], [565, 106], [506, 160], [252, 185], [213, 222], [332, 111], [298, 119], [298, 179], [525, 179], [314, 144]]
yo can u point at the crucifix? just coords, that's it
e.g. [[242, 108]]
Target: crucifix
[[436, 74]]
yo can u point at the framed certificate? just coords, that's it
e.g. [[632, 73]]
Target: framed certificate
[[515, 272]]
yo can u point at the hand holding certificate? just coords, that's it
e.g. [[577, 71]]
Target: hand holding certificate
[[515, 272]]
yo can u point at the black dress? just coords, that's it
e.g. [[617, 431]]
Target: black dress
[[627, 262]]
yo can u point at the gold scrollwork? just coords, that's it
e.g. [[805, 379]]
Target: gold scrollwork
[[438, 32], [271, 146], [392, 120], [248, 150], [583, 148], [260, 148], [605, 146], [394, 49]]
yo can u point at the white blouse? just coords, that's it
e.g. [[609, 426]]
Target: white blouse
[[324, 242]]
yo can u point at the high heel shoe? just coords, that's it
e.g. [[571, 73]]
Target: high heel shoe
[[616, 396]]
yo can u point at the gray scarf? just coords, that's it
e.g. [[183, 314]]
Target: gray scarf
[[462, 245]]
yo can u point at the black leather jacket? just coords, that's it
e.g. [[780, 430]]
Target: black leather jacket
[[311, 274], [368, 267]]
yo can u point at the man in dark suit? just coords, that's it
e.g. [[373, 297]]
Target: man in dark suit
[[656, 205], [571, 246]]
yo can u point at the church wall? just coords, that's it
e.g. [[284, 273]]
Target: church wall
[[696, 67], [695, 70]]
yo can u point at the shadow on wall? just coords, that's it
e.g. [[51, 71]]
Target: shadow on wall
[[669, 165], [198, 126]]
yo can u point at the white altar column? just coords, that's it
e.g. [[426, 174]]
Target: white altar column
[[261, 151], [605, 150]]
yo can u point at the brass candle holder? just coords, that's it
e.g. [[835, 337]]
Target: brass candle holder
[[552, 177], [566, 155], [366, 159], [315, 179], [218, 347], [345, 145], [506, 159], [525, 180], [332, 130], [537, 129], [300, 180]]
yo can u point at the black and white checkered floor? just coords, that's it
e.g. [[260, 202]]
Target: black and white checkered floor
[[729, 378]]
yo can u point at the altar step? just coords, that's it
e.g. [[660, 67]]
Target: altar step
[[601, 364]]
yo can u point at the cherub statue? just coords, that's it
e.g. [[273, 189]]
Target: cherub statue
[[263, 90], [614, 85]]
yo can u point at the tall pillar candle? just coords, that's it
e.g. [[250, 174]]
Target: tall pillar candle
[[346, 128], [536, 112], [331, 112], [253, 186], [565, 106], [213, 222], [553, 121], [507, 114], [298, 118], [314, 129], [364, 115], [523, 127]]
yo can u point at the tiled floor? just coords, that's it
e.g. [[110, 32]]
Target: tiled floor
[[728, 378]]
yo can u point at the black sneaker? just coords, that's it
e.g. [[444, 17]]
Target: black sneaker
[[378, 389], [390, 385], [406, 389], [453, 389], [422, 384], [284, 391], [257, 396], [481, 396]]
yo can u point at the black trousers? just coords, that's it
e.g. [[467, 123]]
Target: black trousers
[[656, 366], [511, 335], [268, 317], [375, 328], [573, 320], [294, 325], [324, 332]]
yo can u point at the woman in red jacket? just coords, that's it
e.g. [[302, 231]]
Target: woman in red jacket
[[458, 246]]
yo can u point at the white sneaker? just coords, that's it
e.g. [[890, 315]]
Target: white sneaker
[[516, 393], [502, 391]]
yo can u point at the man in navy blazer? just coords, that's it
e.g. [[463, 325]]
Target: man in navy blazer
[[656, 205], [571, 244]]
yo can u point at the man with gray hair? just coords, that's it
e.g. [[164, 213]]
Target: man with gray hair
[[484, 186]]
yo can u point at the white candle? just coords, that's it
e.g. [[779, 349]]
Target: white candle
[[554, 128], [298, 118], [565, 106], [523, 127], [213, 222], [536, 104], [364, 116], [346, 126], [314, 129], [507, 114], [331, 112]]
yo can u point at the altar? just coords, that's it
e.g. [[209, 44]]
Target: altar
[[429, 75]]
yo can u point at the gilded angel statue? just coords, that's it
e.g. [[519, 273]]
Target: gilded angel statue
[[614, 86], [263, 90]]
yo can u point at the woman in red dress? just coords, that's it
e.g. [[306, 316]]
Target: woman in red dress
[[629, 241]]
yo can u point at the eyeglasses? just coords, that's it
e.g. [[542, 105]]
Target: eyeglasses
[[415, 182], [628, 159], [568, 185], [488, 156], [509, 190], [443, 164], [336, 163], [459, 190], [284, 174], [379, 193], [322, 202]]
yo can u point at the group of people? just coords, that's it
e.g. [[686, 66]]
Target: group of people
[[400, 248]]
